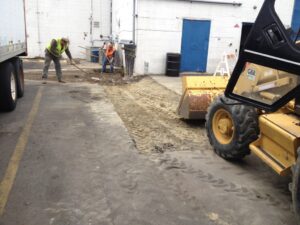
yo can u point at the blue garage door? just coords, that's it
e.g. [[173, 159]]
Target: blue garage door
[[194, 45], [296, 16]]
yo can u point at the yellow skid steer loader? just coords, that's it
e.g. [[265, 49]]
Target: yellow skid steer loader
[[198, 94], [260, 112]]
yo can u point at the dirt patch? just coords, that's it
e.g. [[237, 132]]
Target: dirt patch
[[183, 156], [148, 110], [91, 76], [114, 79]]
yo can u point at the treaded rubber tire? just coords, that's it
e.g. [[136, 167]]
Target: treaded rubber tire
[[18, 67], [7, 103], [246, 130], [295, 189]]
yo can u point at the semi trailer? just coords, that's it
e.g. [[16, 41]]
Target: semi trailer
[[12, 46]]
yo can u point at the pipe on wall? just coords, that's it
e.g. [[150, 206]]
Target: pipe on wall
[[234, 3], [38, 25], [111, 17], [134, 21], [91, 22]]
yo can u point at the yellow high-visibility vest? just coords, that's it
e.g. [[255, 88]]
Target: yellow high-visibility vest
[[59, 48]]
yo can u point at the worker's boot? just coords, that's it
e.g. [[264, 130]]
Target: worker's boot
[[61, 81], [44, 81]]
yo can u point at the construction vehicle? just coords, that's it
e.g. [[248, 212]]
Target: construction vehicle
[[198, 94], [12, 45], [260, 112]]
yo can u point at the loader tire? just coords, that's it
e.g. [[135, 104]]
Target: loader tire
[[231, 127], [295, 188]]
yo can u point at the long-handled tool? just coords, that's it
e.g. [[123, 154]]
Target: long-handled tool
[[95, 56], [87, 73], [80, 69], [100, 50]]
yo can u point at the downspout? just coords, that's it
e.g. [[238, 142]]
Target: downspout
[[91, 24], [234, 3], [111, 17], [134, 22], [38, 27]]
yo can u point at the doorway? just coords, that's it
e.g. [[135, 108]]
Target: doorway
[[194, 45]]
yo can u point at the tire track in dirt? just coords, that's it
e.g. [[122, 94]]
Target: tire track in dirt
[[148, 110], [158, 129], [168, 162], [179, 174]]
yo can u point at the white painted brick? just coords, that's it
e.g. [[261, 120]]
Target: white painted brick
[[67, 18], [159, 27]]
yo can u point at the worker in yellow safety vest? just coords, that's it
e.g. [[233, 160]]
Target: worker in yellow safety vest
[[54, 52]]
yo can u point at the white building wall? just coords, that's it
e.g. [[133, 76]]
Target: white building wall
[[159, 28], [105, 17], [122, 20], [48, 19]]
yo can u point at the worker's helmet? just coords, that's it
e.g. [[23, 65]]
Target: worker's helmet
[[66, 40]]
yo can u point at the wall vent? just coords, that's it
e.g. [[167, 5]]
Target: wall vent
[[96, 24]]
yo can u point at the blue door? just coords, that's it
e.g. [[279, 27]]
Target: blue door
[[194, 45], [296, 16]]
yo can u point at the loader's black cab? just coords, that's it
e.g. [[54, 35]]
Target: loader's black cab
[[246, 28], [267, 74]]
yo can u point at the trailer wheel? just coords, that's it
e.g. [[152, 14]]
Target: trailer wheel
[[18, 67], [8, 87], [295, 188], [231, 127]]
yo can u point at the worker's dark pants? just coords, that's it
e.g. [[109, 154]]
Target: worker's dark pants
[[48, 58], [104, 64]]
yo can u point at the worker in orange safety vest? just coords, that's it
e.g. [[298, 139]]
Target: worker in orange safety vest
[[109, 58]]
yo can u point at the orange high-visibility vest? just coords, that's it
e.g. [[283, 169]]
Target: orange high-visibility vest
[[110, 52]]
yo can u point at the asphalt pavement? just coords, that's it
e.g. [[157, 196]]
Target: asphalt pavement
[[68, 159], [79, 165]]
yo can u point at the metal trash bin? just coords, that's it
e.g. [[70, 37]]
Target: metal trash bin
[[130, 54]]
